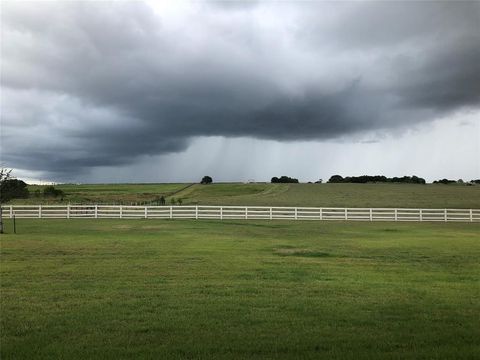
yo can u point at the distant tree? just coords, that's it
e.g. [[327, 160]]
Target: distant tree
[[444, 181], [162, 200], [376, 179], [172, 201], [319, 181], [206, 180], [476, 181], [460, 181], [335, 179], [284, 179], [179, 201]]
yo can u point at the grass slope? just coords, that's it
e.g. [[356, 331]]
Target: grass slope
[[334, 195], [239, 290], [105, 193], [326, 195]]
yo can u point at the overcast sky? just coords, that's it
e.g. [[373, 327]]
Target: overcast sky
[[166, 91]]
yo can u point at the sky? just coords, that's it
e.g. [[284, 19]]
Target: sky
[[163, 91]]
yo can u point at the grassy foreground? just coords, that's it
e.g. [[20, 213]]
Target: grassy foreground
[[326, 195], [115, 289]]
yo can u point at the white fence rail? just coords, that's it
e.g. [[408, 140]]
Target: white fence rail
[[237, 212]]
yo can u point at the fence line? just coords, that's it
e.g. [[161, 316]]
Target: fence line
[[238, 212]]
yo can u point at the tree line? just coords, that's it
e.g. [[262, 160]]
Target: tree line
[[363, 179], [376, 179]]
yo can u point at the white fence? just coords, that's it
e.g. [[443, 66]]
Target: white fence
[[238, 212]]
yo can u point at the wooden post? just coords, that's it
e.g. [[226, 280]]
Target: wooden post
[[68, 211], [121, 211], [445, 215], [296, 213], [471, 215], [221, 212], [421, 215], [196, 212], [371, 214], [11, 211], [321, 213], [246, 213], [396, 214], [346, 215], [96, 211], [171, 212], [39, 211], [146, 213], [271, 214]]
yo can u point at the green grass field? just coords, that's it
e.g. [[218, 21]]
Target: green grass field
[[111, 289], [101, 193], [326, 195]]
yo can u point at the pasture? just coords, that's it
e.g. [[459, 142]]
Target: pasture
[[101, 193], [263, 194], [187, 289]]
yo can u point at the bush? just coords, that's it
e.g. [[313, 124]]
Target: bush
[[50, 191], [13, 189]]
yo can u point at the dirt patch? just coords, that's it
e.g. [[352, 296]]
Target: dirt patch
[[152, 227], [300, 252], [122, 227]]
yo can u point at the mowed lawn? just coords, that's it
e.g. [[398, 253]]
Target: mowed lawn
[[117, 289]]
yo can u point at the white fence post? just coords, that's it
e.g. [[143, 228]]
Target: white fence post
[[321, 213], [246, 213], [96, 211], [39, 211], [445, 215], [121, 211], [271, 213], [196, 212], [146, 212], [296, 213], [396, 214], [471, 215], [421, 215], [68, 211], [221, 212], [11, 211], [171, 212], [371, 214], [346, 214]]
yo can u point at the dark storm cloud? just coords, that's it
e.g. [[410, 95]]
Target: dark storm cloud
[[99, 84]]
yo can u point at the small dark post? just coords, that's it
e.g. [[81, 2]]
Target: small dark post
[[14, 225]]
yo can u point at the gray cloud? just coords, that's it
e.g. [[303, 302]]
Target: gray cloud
[[101, 84]]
